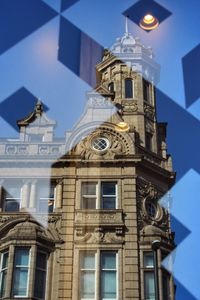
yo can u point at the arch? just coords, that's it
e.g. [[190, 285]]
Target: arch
[[90, 130]]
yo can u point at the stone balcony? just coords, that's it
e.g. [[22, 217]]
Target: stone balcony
[[99, 227]]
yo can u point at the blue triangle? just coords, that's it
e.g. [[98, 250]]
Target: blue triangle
[[56, 5], [65, 4], [17, 106], [18, 19]]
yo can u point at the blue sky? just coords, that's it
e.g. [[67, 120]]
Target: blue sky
[[32, 62]]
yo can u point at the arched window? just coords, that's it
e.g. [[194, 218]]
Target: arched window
[[128, 88], [111, 87]]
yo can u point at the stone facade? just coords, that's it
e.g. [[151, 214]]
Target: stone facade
[[123, 155]]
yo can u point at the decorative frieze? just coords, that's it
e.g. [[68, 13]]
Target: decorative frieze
[[94, 217], [27, 149], [99, 236]]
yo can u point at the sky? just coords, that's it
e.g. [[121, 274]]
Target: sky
[[31, 62]]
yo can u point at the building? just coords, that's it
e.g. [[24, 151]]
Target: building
[[80, 215]]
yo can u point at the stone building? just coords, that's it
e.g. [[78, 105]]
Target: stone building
[[80, 215]]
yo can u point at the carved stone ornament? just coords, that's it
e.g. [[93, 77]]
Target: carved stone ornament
[[150, 212], [149, 127], [149, 111], [129, 106], [117, 144], [99, 236]]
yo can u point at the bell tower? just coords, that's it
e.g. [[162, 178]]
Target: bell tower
[[123, 170], [130, 73]]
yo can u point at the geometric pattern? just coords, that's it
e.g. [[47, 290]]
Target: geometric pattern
[[19, 19], [191, 73]]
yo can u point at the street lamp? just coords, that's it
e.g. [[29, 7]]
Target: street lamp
[[155, 246]]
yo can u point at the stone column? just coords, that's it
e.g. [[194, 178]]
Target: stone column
[[25, 195], [58, 197], [32, 203], [160, 274], [32, 271], [10, 272]]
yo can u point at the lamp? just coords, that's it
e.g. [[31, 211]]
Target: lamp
[[149, 22]]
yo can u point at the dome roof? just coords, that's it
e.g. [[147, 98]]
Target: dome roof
[[127, 40], [128, 46]]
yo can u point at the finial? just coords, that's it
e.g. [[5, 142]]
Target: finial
[[126, 26], [39, 107]]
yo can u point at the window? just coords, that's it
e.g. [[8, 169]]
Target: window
[[151, 209], [146, 91], [148, 138], [89, 195], [166, 285], [40, 275], [111, 87], [87, 271], [149, 279], [3, 273], [46, 195], [36, 137], [101, 267], [100, 144], [21, 270], [12, 198], [99, 195], [128, 88], [108, 195], [108, 275]]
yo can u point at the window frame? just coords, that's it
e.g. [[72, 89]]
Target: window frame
[[39, 250], [148, 270], [34, 248], [39, 199], [99, 195], [2, 271], [147, 91], [131, 80], [6, 199], [21, 266], [98, 272]]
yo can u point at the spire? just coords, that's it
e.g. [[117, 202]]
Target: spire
[[126, 26]]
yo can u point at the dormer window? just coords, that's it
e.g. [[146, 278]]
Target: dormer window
[[128, 88]]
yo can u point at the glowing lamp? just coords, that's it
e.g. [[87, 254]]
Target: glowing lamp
[[149, 22]]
